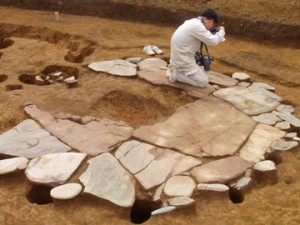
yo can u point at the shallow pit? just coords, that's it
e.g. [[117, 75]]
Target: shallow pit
[[141, 210], [12, 87], [5, 43], [39, 194], [236, 196], [3, 78]]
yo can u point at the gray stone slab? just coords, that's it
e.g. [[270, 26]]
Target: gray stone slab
[[92, 138], [221, 79], [213, 127], [107, 179], [30, 140], [115, 67], [180, 186], [249, 101], [152, 63]]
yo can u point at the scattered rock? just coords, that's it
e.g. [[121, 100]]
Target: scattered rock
[[266, 165], [267, 118], [224, 170], [163, 210], [71, 81], [29, 140], [241, 76], [294, 121], [221, 79], [259, 142], [181, 201], [53, 169], [152, 63], [134, 59], [66, 191], [282, 145], [285, 108], [244, 84], [13, 164], [212, 187], [180, 186], [115, 67], [107, 179], [241, 183], [283, 125], [247, 100], [263, 85]]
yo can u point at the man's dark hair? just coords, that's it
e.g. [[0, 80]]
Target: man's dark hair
[[211, 14]]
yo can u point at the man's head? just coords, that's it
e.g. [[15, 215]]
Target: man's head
[[211, 17]]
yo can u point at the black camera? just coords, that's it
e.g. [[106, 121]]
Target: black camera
[[214, 30], [204, 60]]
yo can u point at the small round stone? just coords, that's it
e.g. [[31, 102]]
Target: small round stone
[[66, 191]]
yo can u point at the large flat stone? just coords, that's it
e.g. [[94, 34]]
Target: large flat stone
[[53, 169], [249, 101], [221, 79], [107, 179], [220, 171], [259, 142], [158, 77], [214, 126], [92, 138], [30, 140], [115, 67], [152, 165]]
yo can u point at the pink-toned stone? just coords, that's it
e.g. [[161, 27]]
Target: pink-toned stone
[[220, 171], [214, 127], [92, 138]]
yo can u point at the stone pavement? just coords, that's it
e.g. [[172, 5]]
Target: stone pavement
[[213, 144]]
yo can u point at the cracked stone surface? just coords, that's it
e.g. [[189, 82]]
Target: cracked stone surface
[[53, 169], [29, 139], [107, 179], [92, 138], [144, 160], [201, 127], [249, 101], [115, 67]]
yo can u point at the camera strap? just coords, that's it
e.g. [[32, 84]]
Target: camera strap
[[201, 47]]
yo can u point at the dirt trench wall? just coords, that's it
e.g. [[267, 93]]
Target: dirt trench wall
[[243, 27]]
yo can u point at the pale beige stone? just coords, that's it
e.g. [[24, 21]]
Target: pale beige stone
[[13, 164], [221, 79], [180, 186], [259, 142], [181, 201], [66, 191]]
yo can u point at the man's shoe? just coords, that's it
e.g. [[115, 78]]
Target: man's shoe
[[148, 50], [157, 50]]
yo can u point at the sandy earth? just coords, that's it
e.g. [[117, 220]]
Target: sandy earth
[[39, 43]]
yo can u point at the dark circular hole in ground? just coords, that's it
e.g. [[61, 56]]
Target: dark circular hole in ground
[[236, 196], [27, 78], [3, 78], [71, 71], [275, 157], [141, 210], [39, 194], [4, 43], [12, 87]]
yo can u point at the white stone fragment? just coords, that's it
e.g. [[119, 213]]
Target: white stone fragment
[[244, 84], [282, 145], [107, 179], [267, 118], [294, 121], [134, 59], [212, 187], [291, 135], [263, 85], [13, 164], [163, 210], [240, 76], [266, 165], [283, 125], [180, 186], [181, 201], [242, 182], [158, 192], [285, 108], [53, 169], [66, 191]]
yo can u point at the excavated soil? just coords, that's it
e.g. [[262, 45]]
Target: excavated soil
[[32, 42]]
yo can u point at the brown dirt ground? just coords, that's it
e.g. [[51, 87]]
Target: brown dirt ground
[[36, 43]]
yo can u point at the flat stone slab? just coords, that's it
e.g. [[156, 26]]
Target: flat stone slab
[[282, 145], [29, 139], [266, 165], [13, 164], [201, 127], [241, 76], [221, 79], [213, 187], [267, 118], [221, 170], [286, 116], [180, 201], [66, 191], [152, 165], [115, 67], [158, 76], [107, 179], [265, 91], [92, 138], [247, 100], [259, 142], [53, 169], [285, 108], [152, 63], [180, 186]]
